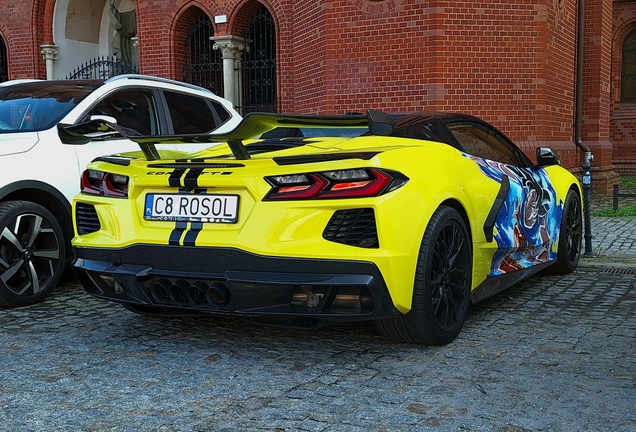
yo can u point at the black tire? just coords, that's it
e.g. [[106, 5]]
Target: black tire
[[441, 292], [32, 253], [570, 236]]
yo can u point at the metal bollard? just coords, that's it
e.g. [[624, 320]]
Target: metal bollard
[[587, 188], [615, 198]]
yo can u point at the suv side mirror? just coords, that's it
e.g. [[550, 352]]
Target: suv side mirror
[[547, 157], [83, 133], [104, 118]]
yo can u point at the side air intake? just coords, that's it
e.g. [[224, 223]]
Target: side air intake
[[354, 227], [86, 218]]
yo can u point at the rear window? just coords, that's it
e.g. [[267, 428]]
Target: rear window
[[192, 114], [38, 106]]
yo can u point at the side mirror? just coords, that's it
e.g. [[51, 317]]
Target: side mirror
[[83, 133], [104, 118], [547, 157]]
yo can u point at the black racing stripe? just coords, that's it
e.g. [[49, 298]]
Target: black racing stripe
[[489, 224], [177, 232], [175, 177], [193, 232], [191, 178]]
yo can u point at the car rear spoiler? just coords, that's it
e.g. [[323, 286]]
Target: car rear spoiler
[[252, 126]]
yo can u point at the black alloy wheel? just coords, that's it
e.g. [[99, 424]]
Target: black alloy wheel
[[441, 292], [570, 236], [32, 253]]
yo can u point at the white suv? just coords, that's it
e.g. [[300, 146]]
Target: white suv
[[39, 175]]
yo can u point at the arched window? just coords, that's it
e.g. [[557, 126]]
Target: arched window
[[204, 66], [628, 70], [4, 62], [258, 67]]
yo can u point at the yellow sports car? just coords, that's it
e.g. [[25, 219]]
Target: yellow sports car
[[404, 220]]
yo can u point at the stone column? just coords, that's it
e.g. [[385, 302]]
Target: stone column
[[232, 48], [49, 54]]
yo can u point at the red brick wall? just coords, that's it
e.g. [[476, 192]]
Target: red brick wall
[[597, 78], [22, 45], [303, 64], [157, 23], [511, 62], [379, 60]]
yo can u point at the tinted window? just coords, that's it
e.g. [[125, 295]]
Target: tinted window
[[38, 106], [223, 114], [133, 109], [481, 141], [191, 114]]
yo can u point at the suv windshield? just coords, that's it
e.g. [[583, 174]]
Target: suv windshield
[[37, 106]]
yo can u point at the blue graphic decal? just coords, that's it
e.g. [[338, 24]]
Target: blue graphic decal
[[528, 224]]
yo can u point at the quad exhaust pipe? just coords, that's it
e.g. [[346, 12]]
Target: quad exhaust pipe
[[218, 294], [183, 293], [215, 295]]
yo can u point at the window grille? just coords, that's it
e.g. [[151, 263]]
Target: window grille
[[204, 66], [628, 70], [4, 62]]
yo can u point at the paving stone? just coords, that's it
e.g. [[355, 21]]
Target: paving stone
[[550, 354]]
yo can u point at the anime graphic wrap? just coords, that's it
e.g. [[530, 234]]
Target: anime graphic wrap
[[526, 228]]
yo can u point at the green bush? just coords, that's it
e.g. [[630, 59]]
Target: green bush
[[628, 181], [609, 212]]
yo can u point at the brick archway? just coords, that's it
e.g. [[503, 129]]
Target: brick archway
[[194, 59], [623, 118], [620, 34]]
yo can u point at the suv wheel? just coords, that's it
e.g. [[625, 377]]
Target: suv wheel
[[32, 253]]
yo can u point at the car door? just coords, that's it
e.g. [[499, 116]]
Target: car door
[[16, 135], [524, 229]]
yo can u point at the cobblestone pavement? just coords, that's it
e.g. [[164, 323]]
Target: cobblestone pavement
[[614, 237], [551, 354]]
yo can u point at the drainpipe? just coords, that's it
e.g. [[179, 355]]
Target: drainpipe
[[587, 153]]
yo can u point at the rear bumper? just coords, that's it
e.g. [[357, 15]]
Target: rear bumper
[[224, 281]]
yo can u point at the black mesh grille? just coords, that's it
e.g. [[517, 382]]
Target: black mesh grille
[[86, 218], [354, 227]]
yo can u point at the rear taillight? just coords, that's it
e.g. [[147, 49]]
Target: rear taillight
[[352, 183], [106, 184]]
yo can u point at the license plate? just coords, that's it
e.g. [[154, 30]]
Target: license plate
[[192, 208]]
